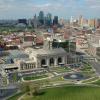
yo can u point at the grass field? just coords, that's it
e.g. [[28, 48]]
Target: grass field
[[97, 82], [68, 93], [35, 77], [91, 80], [60, 69], [86, 68]]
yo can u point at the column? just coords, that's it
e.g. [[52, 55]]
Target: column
[[63, 60], [38, 63], [47, 62], [66, 60], [55, 62]]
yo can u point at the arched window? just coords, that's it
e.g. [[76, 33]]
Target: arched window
[[59, 60], [43, 62], [51, 61]]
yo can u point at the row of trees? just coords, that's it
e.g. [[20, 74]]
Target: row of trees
[[10, 30]]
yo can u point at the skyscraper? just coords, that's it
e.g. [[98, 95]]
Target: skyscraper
[[41, 17], [35, 21], [55, 20], [80, 20], [48, 19], [91, 23], [97, 23]]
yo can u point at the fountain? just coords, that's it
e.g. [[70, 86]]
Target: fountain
[[73, 76], [77, 76]]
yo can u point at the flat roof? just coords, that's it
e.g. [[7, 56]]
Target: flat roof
[[17, 54], [56, 51], [29, 61], [7, 66]]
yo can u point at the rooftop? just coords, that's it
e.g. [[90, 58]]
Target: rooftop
[[5, 66], [56, 51], [17, 54]]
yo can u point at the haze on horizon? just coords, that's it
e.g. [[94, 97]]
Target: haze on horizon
[[14, 9]]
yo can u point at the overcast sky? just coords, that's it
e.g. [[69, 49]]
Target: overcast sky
[[12, 9]]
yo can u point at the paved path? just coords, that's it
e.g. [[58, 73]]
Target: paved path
[[21, 98]]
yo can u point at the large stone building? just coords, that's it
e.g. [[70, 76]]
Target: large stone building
[[26, 65], [48, 58]]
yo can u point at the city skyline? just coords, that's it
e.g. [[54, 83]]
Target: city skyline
[[14, 9]]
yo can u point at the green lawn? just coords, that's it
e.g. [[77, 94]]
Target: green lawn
[[9, 29], [88, 73], [90, 80], [97, 82], [68, 93], [60, 69], [86, 68], [35, 77]]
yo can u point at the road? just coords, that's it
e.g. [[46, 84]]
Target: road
[[96, 66]]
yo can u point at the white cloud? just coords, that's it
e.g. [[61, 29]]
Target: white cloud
[[60, 7]]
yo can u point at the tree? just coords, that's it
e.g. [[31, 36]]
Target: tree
[[25, 87], [36, 90]]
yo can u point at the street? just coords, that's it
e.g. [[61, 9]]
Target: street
[[96, 66]]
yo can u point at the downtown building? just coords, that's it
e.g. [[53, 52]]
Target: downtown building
[[94, 46]]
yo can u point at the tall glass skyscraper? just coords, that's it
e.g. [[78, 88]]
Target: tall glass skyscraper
[[41, 17], [49, 19], [55, 20]]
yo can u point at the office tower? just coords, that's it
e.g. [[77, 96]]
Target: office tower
[[71, 20], [91, 23], [41, 17], [49, 19], [84, 22], [68, 45], [29, 22], [97, 23], [55, 20], [35, 21], [80, 20]]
